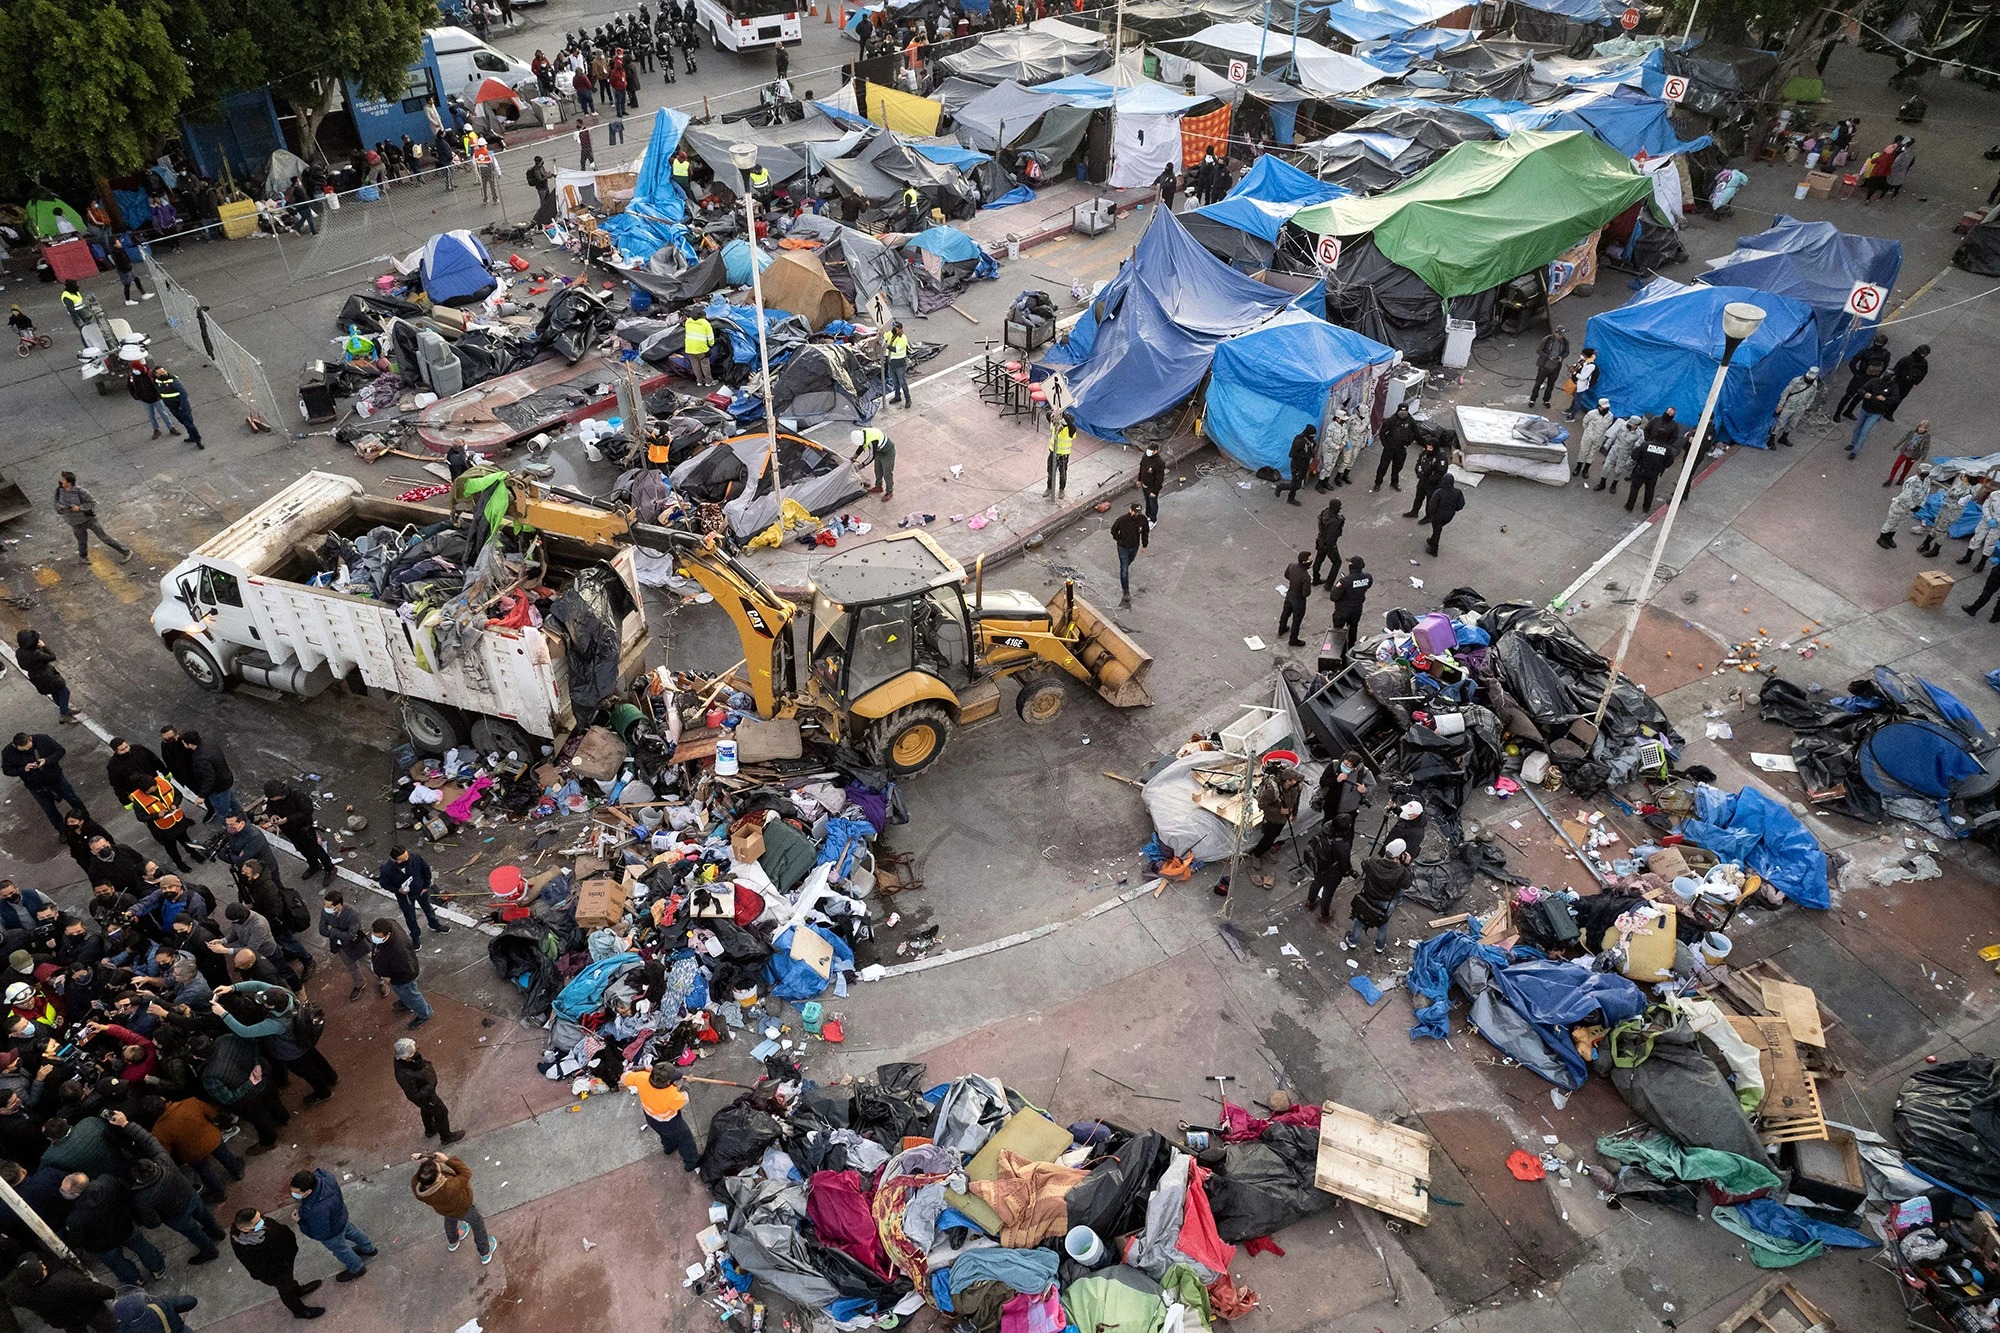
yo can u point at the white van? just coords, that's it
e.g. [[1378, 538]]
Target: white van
[[463, 62]]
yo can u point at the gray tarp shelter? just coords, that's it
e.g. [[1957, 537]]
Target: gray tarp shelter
[[711, 144], [1001, 116], [1026, 57], [858, 264], [1060, 135]]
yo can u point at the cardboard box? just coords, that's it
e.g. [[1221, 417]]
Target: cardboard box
[[1819, 184], [600, 902], [1931, 587]]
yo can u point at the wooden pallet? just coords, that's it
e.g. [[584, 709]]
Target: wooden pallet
[[1792, 1109], [1387, 1167], [1778, 1307]]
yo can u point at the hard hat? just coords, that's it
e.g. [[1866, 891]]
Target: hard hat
[[855, 437], [20, 993]]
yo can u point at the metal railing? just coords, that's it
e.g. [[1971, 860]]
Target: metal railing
[[242, 372]]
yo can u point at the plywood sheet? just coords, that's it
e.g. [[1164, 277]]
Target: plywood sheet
[[1798, 1006], [1385, 1166]]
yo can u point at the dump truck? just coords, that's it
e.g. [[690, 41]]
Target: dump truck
[[240, 608]]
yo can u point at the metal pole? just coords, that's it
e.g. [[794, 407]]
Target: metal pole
[[1117, 35], [1263, 37], [1690, 27], [1666, 530], [36, 1224], [764, 353]]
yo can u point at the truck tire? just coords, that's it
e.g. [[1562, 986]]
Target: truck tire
[[910, 739], [1041, 700], [201, 666], [714, 37], [432, 728], [497, 733]]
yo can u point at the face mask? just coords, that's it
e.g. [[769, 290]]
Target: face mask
[[298, 1196], [379, 939]]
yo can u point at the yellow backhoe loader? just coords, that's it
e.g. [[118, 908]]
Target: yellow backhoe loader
[[899, 652]]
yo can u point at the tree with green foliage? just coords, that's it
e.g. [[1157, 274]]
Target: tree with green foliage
[[88, 88]]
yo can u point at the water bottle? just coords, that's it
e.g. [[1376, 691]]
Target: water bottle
[[725, 754]]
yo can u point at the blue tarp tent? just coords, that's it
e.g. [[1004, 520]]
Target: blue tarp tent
[[1272, 382], [1660, 350], [656, 216], [947, 243], [1921, 761], [1146, 341], [454, 269], [1630, 122], [1242, 228], [1395, 55], [1817, 263], [1363, 20], [1763, 836]]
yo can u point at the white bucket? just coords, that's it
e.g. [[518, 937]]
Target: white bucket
[[1812, 160], [1082, 1245], [1803, 190], [1449, 724], [1715, 946]]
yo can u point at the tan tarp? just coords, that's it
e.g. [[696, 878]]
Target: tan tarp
[[798, 283]]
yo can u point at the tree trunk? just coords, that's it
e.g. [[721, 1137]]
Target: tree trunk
[[312, 110], [110, 200]]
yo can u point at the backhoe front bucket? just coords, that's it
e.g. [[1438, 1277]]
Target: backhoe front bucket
[[1117, 665]]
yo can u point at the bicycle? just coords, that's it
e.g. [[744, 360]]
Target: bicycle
[[32, 341]]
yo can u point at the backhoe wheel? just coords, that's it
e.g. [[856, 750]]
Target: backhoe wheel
[[1041, 700], [910, 740]]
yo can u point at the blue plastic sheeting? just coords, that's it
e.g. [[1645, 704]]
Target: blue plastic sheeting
[[1366, 19], [736, 261], [584, 992], [947, 243], [789, 979], [1262, 218], [640, 236], [1284, 122], [1020, 194], [1429, 978], [741, 322], [950, 155], [1817, 263], [1555, 996], [1153, 330], [1661, 348], [1968, 515], [1397, 54], [655, 190], [1269, 384], [1751, 828], [1631, 123], [1917, 758], [1078, 90], [1775, 1219], [843, 118], [1993, 679]]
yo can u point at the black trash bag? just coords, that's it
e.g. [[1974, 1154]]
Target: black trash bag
[[1948, 1126], [1264, 1187], [1460, 600], [1782, 702], [737, 1137], [1535, 684], [743, 957], [892, 1106], [1111, 1201], [575, 319], [524, 954], [1827, 763]]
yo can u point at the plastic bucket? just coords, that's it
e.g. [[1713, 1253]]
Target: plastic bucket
[[1082, 1245], [1803, 190], [1715, 946]]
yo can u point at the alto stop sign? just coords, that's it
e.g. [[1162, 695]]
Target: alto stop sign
[[1629, 19]]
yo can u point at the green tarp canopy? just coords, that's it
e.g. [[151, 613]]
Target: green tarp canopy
[[42, 215], [1485, 213]]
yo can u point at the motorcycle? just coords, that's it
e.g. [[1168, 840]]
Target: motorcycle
[[109, 345]]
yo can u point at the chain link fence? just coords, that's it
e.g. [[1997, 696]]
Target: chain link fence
[[242, 372]]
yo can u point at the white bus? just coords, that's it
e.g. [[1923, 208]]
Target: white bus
[[742, 25]]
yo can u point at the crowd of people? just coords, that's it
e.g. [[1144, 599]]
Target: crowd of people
[[146, 1031]]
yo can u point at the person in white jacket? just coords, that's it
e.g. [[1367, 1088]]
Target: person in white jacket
[[1800, 397], [1590, 437], [1907, 502], [1985, 533]]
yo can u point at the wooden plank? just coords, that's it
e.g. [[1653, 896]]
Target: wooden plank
[[1798, 1006], [1373, 1162], [1780, 1307]]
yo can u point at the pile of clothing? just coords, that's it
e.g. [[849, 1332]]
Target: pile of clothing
[[887, 1195]]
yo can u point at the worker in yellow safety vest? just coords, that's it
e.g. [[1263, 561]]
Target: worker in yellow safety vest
[[896, 364], [700, 340], [683, 170], [760, 182], [913, 209], [867, 440], [75, 302], [1060, 445]]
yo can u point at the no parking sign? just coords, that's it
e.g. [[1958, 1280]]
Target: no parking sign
[[1674, 89], [1328, 251], [1866, 300], [1239, 71]]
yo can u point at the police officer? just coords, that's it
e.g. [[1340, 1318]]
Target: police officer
[[1397, 434], [174, 398], [1060, 444], [1350, 591], [882, 449], [897, 363], [700, 340]]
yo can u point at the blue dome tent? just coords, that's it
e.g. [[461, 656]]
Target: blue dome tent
[[455, 271], [1660, 349]]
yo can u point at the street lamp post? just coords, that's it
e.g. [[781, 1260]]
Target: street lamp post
[[744, 157], [1739, 320]]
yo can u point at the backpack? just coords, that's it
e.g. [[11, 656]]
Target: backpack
[[296, 918], [308, 1022]]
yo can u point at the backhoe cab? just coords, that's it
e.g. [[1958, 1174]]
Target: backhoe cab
[[897, 657]]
